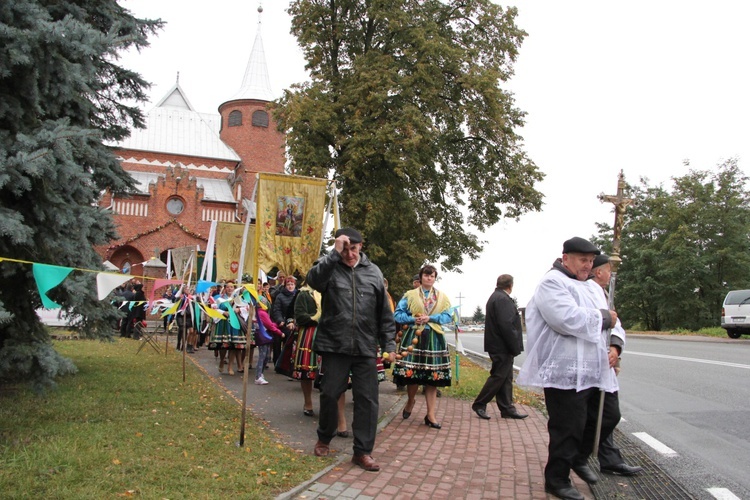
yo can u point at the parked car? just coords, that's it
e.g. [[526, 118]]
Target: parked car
[[735, 313]]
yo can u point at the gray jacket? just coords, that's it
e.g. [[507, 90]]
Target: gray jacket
[[356, 315]]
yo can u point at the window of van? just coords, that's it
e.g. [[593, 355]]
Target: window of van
[[737, 297]]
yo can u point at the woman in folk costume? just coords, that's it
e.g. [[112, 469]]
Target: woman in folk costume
[[304, 359], [226, 338], [423, 357]]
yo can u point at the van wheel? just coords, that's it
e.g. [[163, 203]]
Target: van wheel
[[734, 334]]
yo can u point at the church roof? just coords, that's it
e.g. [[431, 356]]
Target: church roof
[[174, 127], [213, 189], [256, 84]]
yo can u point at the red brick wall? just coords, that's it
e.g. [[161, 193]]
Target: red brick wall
[[261, 148]]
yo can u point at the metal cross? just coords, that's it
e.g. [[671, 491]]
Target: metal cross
[[620, 203]]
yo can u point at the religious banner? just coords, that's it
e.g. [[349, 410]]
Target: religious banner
[[180, 257], [289, 221], [228, 249]]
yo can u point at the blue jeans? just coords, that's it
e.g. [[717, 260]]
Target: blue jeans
[[262, 358]]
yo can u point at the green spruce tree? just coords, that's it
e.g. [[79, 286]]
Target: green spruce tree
[[62, 96], [406, 110], [478, 316]]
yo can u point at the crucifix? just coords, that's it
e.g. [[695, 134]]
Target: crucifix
[[620, 203]]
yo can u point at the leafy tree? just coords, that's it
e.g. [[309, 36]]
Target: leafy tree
[[405, 111], [61, 97], [478, 316], [684, 249]]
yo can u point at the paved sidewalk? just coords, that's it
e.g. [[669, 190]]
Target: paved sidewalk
[[468, 458]]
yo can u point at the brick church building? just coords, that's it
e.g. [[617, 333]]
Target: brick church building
[[191, 168]]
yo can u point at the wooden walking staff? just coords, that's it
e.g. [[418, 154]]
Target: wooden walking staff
[[620, 203]]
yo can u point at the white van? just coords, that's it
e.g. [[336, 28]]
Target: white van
[[735, 313]]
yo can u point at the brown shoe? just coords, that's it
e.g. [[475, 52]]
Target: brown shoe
[[366, 462], [321, 449]]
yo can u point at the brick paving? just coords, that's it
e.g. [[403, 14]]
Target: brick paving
[[468, 458]]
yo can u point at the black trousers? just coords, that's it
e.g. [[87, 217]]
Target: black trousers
[[364, 374], [609, 454], [499, 385], [572, 428]]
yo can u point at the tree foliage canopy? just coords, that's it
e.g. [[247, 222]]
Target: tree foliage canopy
[[61, 96], [683, 249], [405, 111]]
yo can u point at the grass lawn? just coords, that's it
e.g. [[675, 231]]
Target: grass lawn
[[471, 379], [127, 426], [705, 332]]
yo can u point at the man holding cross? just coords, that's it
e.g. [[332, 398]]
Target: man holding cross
[[568, 356]]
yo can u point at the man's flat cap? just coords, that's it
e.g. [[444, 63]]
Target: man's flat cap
[[600, 260], [415, 277], [579, 245], [353, 234]]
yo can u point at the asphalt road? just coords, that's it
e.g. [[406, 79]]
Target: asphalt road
[[691, 395]]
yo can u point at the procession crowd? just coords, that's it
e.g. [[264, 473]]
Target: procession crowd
[[337, 328]]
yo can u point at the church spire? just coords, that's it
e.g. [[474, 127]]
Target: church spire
[[256, 83]]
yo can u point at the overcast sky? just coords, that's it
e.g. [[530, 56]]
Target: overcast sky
[[638, 86]]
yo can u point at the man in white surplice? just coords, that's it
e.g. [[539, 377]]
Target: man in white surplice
[[567, 354]]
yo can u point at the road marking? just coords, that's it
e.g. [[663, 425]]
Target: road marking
[[722, 494], [655, 444], [694, 360]]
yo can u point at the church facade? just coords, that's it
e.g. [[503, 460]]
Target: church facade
[[191, 168]]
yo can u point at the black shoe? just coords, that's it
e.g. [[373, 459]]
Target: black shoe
[[565, 492], [585, 473], [407, 413], [308, 413], [514, 414], [429, 423], [482, 413], [622, 470]]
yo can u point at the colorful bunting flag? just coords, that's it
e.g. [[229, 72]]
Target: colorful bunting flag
[[48, 277], [106, 282]]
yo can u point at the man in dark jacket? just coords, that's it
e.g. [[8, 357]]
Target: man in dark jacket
[[356, 319], [503, 341]]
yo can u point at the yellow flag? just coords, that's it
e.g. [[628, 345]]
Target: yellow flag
[[289, 217], [229, 247], [213, 313], [171, 310]]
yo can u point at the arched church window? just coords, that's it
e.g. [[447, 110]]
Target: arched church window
[[235, 118], [260, 119]]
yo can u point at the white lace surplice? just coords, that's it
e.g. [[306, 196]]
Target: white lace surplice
[[566, 348]]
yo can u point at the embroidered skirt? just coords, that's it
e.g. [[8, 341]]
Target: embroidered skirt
[[305, 361], [428, 363], [224, 336]]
